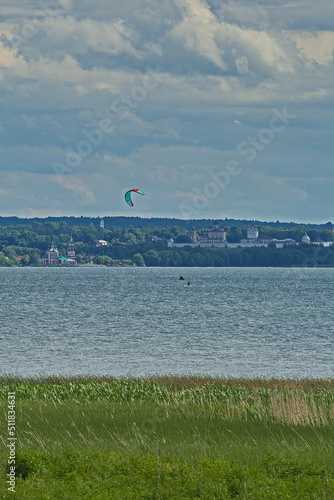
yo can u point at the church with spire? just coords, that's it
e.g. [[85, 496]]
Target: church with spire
[[52, 257]]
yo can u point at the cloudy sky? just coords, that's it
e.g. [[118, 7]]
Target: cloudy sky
[[213, 108]]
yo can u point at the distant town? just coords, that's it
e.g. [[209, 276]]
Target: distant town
[[76, 242], [215, 237]]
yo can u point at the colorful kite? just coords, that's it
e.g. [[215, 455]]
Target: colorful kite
[[127, 195]]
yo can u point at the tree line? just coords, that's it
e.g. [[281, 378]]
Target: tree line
[[147, 245], [158, 222]]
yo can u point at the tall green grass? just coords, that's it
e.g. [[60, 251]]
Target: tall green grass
[[288, 401], [168, 430], [275, 437]]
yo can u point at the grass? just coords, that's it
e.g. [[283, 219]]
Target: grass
[[171, 437], [150, 477]]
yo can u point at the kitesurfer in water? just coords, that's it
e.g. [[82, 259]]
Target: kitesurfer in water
[[188, 283]]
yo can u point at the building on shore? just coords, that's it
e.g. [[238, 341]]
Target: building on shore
[[216, 238], [52, 257], [192, 234], [101, 243], [306, 239], [254, 240], [71, 250]]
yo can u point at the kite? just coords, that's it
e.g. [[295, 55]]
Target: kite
[[127, 196]]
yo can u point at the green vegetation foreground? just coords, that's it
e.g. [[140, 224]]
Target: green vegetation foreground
[[170, 438]]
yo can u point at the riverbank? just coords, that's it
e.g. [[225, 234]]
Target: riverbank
[[171, 437]]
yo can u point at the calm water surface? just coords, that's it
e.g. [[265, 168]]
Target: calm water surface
[[139, 321]]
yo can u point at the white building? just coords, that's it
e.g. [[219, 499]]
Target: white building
[[286, 241], [101, 243], [306, 239], [52, 257], [192, 234], [216, 238], [253, 238], [252, 233]]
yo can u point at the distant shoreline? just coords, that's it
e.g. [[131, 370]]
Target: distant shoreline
[[169, 379], [327, 266]]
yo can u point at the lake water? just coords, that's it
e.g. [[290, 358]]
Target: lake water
[[235, 322]]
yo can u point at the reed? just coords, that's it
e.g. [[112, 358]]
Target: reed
[[305, 402], [184, 424]]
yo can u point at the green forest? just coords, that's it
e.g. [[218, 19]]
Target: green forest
[[146, 244]]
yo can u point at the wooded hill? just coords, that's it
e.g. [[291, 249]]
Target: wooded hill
[[147, 244], [124, 222]]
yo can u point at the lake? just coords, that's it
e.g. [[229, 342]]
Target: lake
[[230, 322]]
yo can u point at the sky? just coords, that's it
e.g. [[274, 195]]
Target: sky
[[213, 109]]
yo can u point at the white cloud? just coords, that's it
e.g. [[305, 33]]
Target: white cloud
[[9, 58], [112, 38], [315, 47], [202, 32], [75, 185], [197, 31]]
